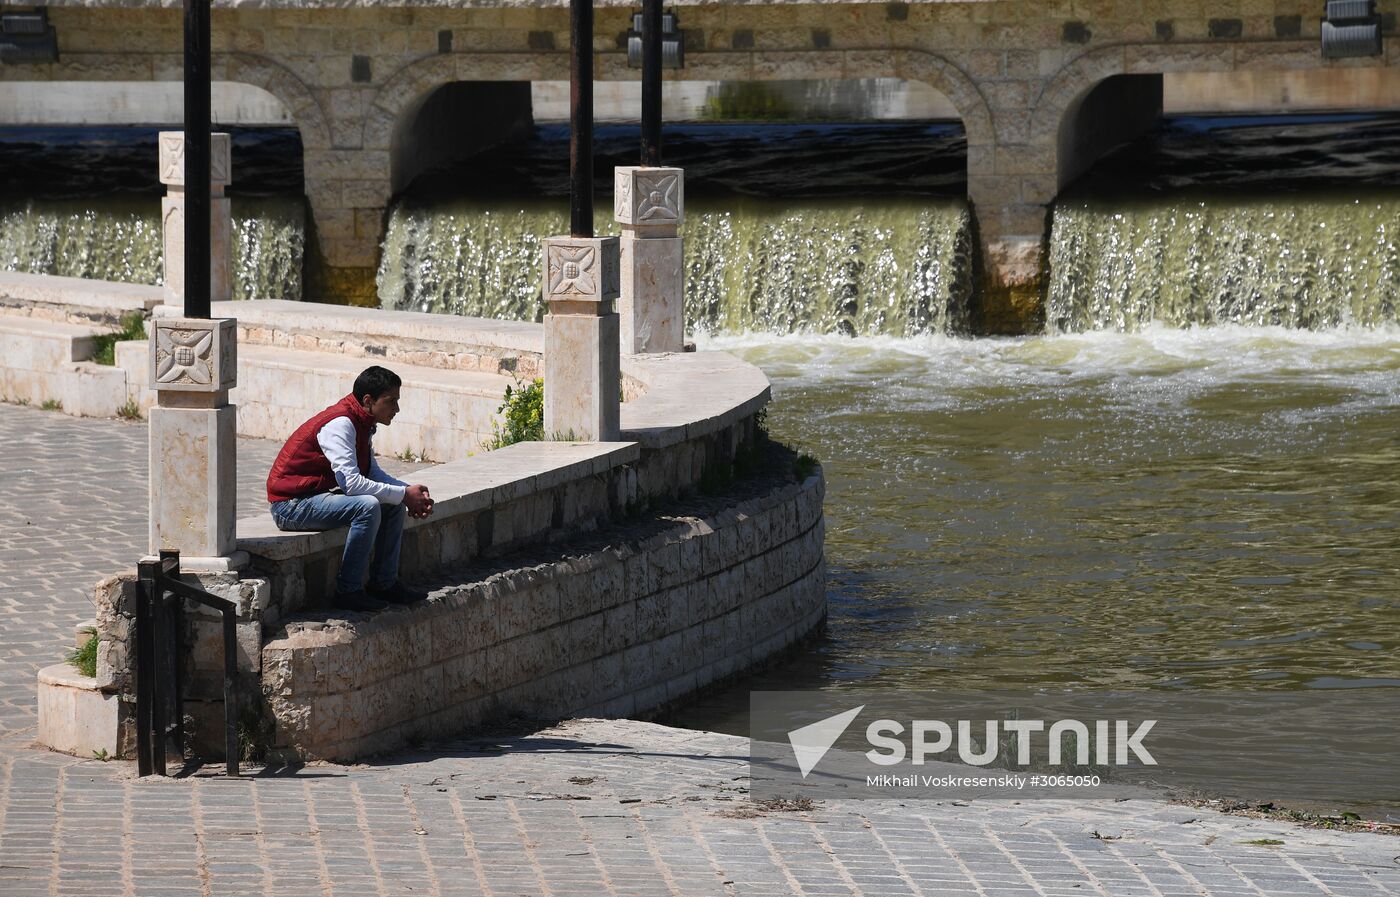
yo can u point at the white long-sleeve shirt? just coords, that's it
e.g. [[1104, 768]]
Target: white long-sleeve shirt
[[337, 441]]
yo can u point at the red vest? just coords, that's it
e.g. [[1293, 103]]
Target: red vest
[[302, 469]]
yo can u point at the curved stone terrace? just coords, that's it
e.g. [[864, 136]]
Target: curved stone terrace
[[627, 625]]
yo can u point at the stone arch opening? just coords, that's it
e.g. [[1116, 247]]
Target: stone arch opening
[[456, 121], [1102, 117]]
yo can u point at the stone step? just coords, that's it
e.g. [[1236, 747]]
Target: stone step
[[75, 716], [38, 344], [401, 337], [43, 361], [444, 416], [74, 300]]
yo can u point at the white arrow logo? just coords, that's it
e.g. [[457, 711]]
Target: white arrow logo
[[810, 743]]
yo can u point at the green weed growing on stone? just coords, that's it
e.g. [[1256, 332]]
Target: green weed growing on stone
[[104, 345], [51, 405], [85, 658], [523, 410], [803, 467], [130, 411]]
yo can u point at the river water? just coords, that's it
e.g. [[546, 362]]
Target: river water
[[1209, 510], [1170, 508]]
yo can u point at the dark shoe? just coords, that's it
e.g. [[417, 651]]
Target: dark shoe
[[357, 600], [398, 593]]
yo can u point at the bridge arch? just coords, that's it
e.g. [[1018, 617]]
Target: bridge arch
[[403, 95], [1116, 79]]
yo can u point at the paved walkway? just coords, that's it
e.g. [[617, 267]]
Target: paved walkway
[[587, 808]]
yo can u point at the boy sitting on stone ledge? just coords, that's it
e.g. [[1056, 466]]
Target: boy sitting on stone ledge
[[326, 477]]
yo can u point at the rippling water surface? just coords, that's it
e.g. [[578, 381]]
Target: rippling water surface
[[1171, 509]]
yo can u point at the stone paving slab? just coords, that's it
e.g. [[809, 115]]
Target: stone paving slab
[[590, 807]]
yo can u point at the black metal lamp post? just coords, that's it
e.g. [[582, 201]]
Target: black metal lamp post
[[197, 203], [651, 83], [581, 118]]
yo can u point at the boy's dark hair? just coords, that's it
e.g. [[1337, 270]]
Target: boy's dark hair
[[374, 381]]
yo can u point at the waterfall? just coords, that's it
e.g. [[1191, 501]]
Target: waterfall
[[119, 238], [1306, 261], [901, 267]]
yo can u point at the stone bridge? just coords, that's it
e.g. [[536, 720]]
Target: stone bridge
[[1043, 87]]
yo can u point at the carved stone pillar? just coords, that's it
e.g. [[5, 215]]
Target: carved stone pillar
[[581, 389], [194, 363], [172, 216], [650, 206]]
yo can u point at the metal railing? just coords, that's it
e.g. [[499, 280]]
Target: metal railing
[[160, 598]]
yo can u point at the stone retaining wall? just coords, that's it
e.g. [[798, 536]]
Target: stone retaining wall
[[612, 633]]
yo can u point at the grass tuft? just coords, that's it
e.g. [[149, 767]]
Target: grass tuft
[[85, 658], [133, 326]]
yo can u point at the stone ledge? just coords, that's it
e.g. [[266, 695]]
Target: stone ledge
[[458, 488], [473, 383], [74, 299], [352, 323], [75, 716], [42, 328], [689, 395]]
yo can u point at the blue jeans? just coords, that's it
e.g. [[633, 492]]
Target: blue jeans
[[373, 526]]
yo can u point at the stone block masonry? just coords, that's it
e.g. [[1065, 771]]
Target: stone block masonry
[[614, 632]]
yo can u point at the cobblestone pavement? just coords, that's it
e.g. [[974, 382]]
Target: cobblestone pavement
[[590, 807]]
